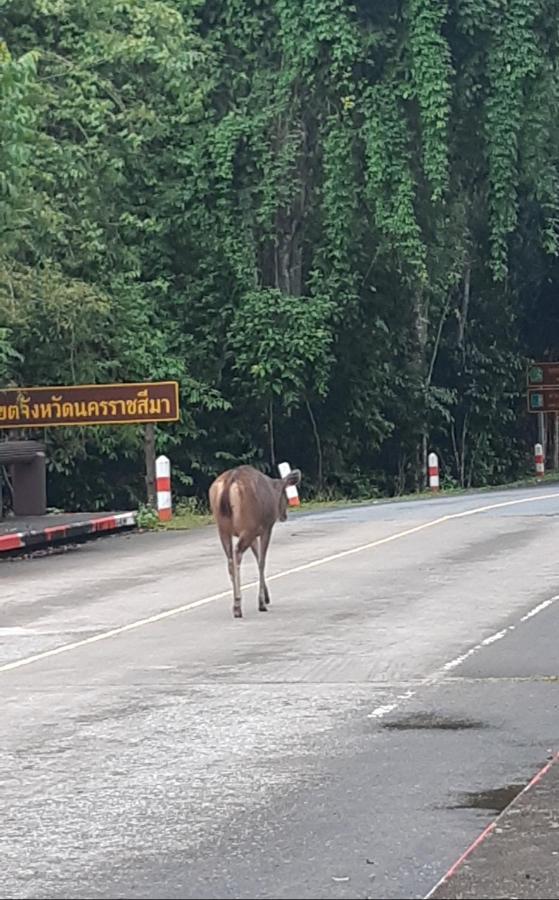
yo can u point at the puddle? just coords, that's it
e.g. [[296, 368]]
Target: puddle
[[495, 800], [427, 721]]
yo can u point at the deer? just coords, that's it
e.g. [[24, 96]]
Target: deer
[[246, 504]]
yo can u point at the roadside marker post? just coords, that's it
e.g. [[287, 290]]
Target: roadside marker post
[[291, 490], [434, 480], [163, 488], [539, 460]]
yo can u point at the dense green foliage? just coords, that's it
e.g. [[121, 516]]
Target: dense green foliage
[[335, 223]]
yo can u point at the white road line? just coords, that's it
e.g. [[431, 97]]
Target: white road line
[[538, 609], [381, 711], [305, 567], [454, 663], [498, 636]]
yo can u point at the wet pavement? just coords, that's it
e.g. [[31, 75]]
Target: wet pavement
[[518, 857]]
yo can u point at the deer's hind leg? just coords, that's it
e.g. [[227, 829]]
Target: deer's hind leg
[[260, 549], [234, 559], [227, 542], [263, 593], [263, 587]]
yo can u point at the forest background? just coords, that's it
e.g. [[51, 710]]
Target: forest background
[[334, 223]]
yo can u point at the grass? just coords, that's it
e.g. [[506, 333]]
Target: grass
[[186, 520]]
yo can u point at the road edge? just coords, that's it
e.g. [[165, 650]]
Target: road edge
[[454, 868], [33, 540]]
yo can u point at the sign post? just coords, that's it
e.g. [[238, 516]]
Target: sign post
[[542, 433], [543, 397], [149, 450]]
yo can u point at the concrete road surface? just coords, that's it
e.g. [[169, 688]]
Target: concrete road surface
[[350, 743]]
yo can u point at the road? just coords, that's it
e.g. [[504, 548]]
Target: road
[[348, 744]]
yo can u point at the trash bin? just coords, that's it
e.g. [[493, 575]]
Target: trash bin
[[26, 461]]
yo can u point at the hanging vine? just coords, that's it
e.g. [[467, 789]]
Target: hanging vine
[[431, 73], [512, 62], [390, 182]]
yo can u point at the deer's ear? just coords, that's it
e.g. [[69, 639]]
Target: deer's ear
[[294, 477]]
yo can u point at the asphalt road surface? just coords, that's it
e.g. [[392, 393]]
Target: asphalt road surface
[[350, 743]]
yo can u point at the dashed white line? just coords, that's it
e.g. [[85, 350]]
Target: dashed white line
[[537, 609], [381, 711], [498, 636], [453, 663]]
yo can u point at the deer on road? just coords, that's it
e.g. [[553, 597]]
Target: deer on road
[[246, 504]]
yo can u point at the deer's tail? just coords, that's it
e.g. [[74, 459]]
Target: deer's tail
[[225, 508]]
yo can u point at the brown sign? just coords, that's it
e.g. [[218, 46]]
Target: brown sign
[[89, 404], [546, 400], [543, 375]]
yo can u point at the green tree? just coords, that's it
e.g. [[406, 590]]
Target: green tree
[[339, 215]]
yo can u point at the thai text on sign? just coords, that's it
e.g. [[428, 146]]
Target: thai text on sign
[[92, 404]]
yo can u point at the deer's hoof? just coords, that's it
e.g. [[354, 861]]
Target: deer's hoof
[[237, 612], [262, 607]]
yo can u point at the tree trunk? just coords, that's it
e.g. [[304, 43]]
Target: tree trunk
[[421, 330], [282, 255], [149, 449], [318, 445], [460, 451], [463, 451], [401, 479], [271, 434], [463, 312], [288, 250]]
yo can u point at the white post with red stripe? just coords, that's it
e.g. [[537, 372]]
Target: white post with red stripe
[[433, 464], [163, 488], [540, 465], [291, 490]]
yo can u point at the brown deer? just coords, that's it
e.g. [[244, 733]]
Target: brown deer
[[246, 504]]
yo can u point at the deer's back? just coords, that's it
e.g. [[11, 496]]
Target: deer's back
[[244, 500]]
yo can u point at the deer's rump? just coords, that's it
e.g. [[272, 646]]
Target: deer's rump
[[245, 500]]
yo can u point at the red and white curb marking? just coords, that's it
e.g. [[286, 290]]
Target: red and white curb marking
[[27, 540], [490, 829]]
